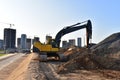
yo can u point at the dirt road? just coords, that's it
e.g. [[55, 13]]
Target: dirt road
[[5, 62], [8, 65]]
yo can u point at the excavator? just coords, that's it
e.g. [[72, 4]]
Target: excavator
[[52, 47]]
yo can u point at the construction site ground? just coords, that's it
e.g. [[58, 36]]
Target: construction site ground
[[29, 68]]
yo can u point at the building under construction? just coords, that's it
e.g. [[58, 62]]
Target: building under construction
[[9, 38]]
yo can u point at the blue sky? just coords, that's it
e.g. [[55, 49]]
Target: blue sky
[[47, 17]]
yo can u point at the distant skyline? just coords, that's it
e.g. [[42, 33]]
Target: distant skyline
[[47, 17]]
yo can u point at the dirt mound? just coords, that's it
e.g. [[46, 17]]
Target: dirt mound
[[74, 52], [88, 61], [109, 46], [105, 55]]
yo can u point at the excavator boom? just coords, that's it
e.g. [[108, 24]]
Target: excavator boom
[[73, 28]]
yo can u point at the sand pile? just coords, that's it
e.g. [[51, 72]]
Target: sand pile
[[109, 47], [89, 61], [74, 52], [105, 55]]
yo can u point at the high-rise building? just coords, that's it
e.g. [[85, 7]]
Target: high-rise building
[[48, 38], [23, 41], [72, 42], [18, 43], [28, 43], [64, 44], [35, 39], [79, 42], [9, 38], [1, 44]]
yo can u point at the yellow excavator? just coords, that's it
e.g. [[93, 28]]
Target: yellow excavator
[[51, 48]]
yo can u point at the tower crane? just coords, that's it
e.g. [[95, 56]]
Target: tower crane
[[10, 25]]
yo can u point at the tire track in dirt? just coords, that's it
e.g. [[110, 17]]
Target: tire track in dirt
[[46, 70]]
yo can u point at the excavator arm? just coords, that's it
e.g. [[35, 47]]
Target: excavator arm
[[87, 24]]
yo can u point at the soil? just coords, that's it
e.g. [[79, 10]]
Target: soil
[[5, 72], [109, 47], [29, 68], [20, 71], [103, 58]]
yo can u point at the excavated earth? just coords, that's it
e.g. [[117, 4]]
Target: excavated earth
[[109, 47], [84, 67], [103, 58]]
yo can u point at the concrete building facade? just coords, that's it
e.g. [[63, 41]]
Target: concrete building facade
[[9, 38], [1, 44], [35, 39], [48, 38], [18, 43], [79, 42], [72, 42], [28, 43], [64, 44], [23, 41]]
